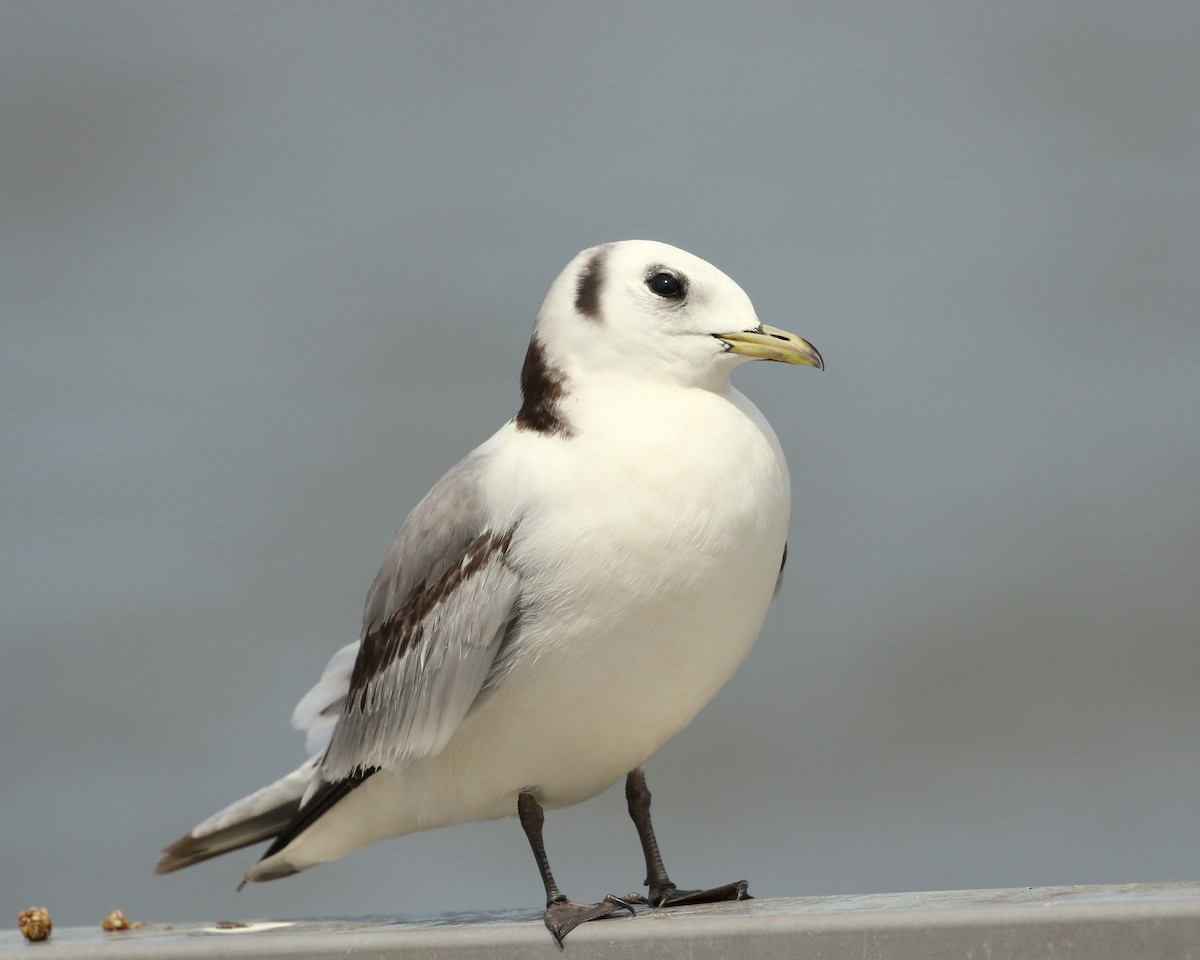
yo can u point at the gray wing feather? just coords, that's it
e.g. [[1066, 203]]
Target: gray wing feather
[[439, 528], [436, 618]]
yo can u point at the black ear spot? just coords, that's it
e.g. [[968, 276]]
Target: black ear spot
[[667, 285], [587, 287]]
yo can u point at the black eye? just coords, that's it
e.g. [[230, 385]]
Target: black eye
[[665, 285]]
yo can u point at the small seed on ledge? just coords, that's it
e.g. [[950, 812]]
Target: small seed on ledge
[[35, 923]]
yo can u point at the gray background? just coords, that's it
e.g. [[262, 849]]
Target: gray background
[[269, 269]]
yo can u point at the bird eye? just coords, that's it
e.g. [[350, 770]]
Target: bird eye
[[665, 285]]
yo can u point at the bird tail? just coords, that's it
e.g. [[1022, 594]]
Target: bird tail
[[260, 816], [268, 813]]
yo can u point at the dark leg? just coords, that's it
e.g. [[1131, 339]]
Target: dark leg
[[663, 892], [562, 915]]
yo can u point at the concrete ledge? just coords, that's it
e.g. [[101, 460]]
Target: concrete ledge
[[1142, 921]]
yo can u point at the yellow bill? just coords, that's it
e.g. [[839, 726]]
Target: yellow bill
[[771, 343]]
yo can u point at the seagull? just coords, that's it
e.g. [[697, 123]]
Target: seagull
[[564, 600]]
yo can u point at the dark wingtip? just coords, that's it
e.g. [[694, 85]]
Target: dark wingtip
[[182, 853], [190, 849], [322, 801]]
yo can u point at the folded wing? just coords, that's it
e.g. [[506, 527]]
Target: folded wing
[[442, 609]]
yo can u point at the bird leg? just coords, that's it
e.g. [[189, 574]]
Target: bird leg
[[663, 893], [562, 915]]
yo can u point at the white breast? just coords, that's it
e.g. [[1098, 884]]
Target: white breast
[[652, 551]]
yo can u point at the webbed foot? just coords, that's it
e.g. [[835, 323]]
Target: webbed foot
[[563, 916], [670, 896]]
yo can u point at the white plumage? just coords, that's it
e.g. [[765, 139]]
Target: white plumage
[[566, 598]]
